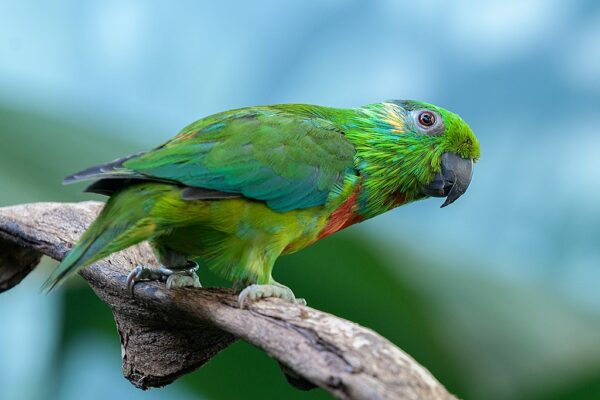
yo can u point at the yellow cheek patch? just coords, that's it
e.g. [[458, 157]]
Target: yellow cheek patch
[[392, 117]]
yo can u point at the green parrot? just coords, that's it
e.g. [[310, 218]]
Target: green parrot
[[236, 190]]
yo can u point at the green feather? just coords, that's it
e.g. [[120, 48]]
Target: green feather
[[271, 154], [123, 222]]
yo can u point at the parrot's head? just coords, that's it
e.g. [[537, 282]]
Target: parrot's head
[[452, 148], [411, 150]]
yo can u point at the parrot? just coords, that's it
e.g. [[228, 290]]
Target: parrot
[[234, 191]]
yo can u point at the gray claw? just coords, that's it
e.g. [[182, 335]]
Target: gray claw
[[144, 273]]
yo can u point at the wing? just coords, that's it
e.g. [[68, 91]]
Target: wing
[[290, 160]]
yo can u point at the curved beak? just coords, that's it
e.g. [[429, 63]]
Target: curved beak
[[452, 181]]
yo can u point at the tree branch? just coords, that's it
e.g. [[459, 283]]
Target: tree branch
[[168, 333]]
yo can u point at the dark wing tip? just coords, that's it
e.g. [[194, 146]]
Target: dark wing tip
[[112, 169], [196, 193], [70, 179]]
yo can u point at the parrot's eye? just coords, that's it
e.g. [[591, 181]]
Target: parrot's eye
[[427, 122], [427, 119]]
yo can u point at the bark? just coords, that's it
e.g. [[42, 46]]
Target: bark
[[168, 333]]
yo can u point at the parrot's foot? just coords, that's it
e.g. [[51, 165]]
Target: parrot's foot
[[175, 278], [257, 292]]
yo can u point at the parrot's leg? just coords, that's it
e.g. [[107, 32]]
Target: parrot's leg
[[258, 282], [184, 278], [174, 277], [273, 289], [176, 270]]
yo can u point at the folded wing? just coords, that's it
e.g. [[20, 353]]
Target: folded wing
[[290, 161]]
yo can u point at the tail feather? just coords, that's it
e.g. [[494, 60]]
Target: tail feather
[[117, 227], [74, 261]]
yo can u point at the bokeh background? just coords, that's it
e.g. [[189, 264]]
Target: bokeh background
[[497, 295]]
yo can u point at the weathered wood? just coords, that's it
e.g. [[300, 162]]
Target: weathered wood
[[167, 333]]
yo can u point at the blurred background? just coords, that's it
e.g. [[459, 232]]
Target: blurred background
[[496, 295]]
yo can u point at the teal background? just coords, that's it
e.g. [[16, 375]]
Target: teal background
[[497, 295]]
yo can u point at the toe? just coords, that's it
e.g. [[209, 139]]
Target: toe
[[255, 292], [180, 281], [196, 281]]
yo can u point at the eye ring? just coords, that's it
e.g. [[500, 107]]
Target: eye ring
[[427, 119]]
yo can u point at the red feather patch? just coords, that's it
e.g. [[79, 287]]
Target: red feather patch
[[342, 217]]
